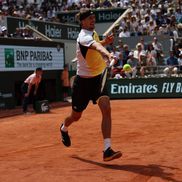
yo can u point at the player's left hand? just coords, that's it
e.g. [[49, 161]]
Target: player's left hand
[[109, 39]]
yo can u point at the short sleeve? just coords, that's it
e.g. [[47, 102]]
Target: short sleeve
[[86, 40]]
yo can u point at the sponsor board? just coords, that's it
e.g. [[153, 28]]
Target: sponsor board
[[145, 88], [101, 15], [28, 57], [51, 30]]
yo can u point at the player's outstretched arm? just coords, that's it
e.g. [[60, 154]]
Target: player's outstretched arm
[[100, 48]]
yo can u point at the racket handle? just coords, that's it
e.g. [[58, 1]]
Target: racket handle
[[112, 63]]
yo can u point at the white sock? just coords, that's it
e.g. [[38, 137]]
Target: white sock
[[64, 128], [107, 143]]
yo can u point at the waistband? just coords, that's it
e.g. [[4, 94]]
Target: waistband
[[85, 77]]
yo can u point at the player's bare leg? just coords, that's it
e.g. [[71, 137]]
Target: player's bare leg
[[104, 105], [74, 116]]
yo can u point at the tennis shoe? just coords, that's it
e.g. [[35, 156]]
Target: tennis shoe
[[65, 138], [110, 154]]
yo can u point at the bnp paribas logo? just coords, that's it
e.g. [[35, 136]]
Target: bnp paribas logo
[[9, 58]]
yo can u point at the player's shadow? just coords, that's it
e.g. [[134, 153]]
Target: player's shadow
[[146, 170]]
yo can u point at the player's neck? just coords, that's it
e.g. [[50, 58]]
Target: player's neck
[[88, 29]]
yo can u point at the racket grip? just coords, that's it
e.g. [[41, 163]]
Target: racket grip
[[112, 63]]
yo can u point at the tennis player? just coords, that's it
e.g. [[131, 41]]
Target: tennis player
[[91, 56]]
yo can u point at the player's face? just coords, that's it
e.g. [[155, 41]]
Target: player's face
[[89, 22]]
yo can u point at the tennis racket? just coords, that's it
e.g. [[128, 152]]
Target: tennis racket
[[105, 73]]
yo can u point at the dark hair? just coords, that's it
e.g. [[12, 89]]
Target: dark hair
[[38, 69], [84, 13]]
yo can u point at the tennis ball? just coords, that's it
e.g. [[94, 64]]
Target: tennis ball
[[127, 67]]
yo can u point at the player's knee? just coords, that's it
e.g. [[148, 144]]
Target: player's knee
[[104, 105], [75, 116]]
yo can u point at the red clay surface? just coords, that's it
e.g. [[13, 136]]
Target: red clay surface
[[148, 132]]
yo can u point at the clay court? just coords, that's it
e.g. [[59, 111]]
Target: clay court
[[148, 132]]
